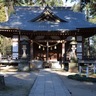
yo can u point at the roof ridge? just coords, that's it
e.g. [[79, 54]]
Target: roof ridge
[[48, 15]]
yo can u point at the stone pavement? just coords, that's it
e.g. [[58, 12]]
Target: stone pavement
[[18, 83], [48, 84]]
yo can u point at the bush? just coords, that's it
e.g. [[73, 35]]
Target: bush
[[82, 78]]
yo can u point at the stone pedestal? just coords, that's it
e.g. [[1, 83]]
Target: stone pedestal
[[2, 82], [73, 67], [56, 65], [24, 65]]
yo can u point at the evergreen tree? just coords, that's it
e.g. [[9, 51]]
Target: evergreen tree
[[5, 45]]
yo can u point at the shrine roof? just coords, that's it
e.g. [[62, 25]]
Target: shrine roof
[[46, 19]]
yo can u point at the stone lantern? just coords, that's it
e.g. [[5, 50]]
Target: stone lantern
[[73, 57], [73, 44], [24, 60]]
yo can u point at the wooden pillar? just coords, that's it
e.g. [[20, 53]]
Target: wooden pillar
[[88, 47], [31, 49], [63, 50], [19, 45], [47, 55]]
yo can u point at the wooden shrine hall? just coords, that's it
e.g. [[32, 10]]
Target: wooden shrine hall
[[47, 33]]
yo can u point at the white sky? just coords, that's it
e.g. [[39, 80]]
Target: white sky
[[70, 3]]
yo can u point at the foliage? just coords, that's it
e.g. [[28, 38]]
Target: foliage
[[86, 47], [37, 2], [5, 45], [2, 13], [76, 7], [82, 78], [93, 46], [90, 9], [49, 2], [93, 20], [55, 3]]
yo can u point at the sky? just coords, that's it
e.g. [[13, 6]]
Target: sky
[[70, 2]]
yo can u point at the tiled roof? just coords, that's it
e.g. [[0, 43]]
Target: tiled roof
[[23, 16]]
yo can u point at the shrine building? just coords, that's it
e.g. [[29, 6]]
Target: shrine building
[[47, 33]]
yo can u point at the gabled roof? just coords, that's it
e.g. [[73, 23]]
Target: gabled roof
[[47, 15], [25, 18]]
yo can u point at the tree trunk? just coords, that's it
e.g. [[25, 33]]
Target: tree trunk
[[6, 13], [11, 8]]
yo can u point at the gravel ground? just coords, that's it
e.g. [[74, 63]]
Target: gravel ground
[[77, 88], [18, 83]]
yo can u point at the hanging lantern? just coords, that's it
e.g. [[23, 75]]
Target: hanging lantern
[[43, 48], [39, 47], [51, 48], [55, 47]]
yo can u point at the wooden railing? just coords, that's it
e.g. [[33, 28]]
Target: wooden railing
[[87, 62]]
